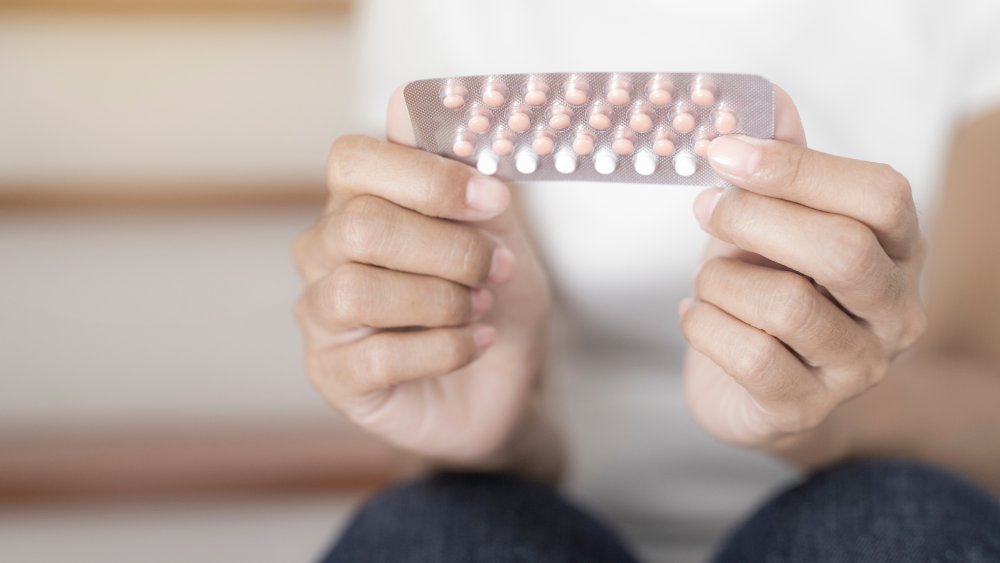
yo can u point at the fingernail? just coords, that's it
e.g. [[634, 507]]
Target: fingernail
[[684, 305], [482, 301], [502, 265], [484, 193], [705, 204], [483, 336], [733, 155]]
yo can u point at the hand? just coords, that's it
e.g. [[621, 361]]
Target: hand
[[424, 309], [808, 290]]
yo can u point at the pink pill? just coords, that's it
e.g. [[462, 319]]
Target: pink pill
[[623, 147], [494, 98], [561, 117], [463, 147], [664, 147], [536, 97], [453, 101], [701, 147], [503, 146], [519, 122], [725, 121], [453, 95], [619, 96], [479, 123], [703, 92], [494, 93], [536, 92], [576, 96], [576, 91], [599, 121], [543, 145], [683, 122], [583, 144], [640, 122], [661, 97]]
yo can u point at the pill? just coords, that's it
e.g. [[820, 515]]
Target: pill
[[703, 91], [543, 142], [644, 162], [702, 139], [605, 162], [561, 117], [663, 147], [519, 121], [619, 91], [664, 143], [503, 146], [641, 120], [453, 95], [583, 143], [487, 163], [463, 145], [565, 161], [683, 121], [526, 162], [624, 142], [576, 91], [494, 93], [660, 91], [600, 116], [725, 121], [685, 164], [536, 92], [479, 120]]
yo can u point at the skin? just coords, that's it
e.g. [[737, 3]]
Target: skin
[[425, 316]]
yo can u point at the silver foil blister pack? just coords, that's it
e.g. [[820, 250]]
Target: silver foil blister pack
[[638, 127]]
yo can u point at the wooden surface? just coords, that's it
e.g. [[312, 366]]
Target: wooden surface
[[183, 6], [115, 461]]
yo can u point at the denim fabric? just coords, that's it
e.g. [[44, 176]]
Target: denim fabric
[[867, 511]]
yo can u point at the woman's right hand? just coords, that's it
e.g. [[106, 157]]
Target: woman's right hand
[[424, 307]]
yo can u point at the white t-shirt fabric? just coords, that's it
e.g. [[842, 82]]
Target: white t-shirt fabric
[[881, 81]]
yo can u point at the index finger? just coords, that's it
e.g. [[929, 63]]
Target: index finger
[[414, 179], [784, 168]]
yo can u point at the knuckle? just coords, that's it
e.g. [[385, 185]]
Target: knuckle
[[454, 305], [852, 253], [364, 225], [793, 306], [343, 154], [374, 363], [783, 165], [445, 181], [896, 202], [710, 274], [753, 362], [343, 297], [474, 255]]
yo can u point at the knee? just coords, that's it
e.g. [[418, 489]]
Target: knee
[[473, 517], [876, 510]]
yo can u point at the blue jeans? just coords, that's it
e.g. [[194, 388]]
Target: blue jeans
[[866, 511]]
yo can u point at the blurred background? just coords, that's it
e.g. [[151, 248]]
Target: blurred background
[[157, 157]]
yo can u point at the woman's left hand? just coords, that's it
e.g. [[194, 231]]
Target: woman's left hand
[[808, 290]]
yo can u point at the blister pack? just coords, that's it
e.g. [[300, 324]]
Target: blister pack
[[638, 127]]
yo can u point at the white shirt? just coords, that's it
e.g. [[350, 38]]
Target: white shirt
[[881, 81]]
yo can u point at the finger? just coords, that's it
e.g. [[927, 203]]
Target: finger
[[874, 194], [390, 358], [373, 231], [414, 179], [787, 306], [836, 251], [785, 390], [357, 295]]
